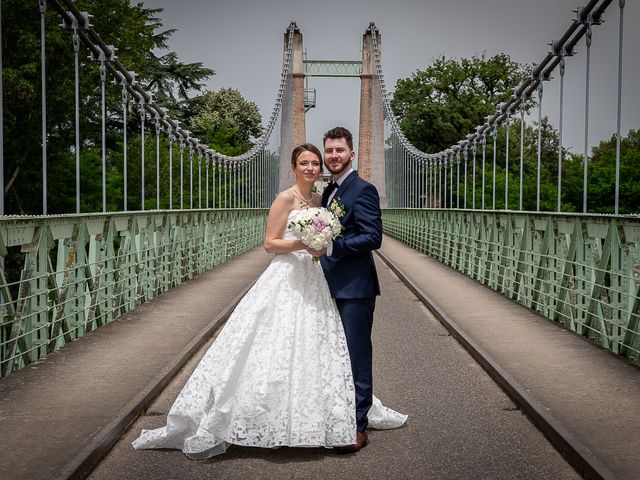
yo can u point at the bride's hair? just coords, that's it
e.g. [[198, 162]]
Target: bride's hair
[[305, 147]]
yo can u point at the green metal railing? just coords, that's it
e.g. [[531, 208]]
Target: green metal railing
[[63, 276], [582, 271]]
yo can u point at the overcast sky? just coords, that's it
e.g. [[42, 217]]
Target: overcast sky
[[242, 40]]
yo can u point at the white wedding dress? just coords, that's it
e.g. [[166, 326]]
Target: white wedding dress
[[277, 375]]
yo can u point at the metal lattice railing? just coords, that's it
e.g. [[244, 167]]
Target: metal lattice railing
[[83, 271], [582, 271]]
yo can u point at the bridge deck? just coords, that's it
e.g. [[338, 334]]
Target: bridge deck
[[461, 423]]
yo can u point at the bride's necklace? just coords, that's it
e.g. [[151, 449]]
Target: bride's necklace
[[303, 201]]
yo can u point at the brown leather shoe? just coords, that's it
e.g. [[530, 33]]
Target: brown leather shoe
[[362, 439]]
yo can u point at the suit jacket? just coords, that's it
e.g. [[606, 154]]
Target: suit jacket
[[350, 270]]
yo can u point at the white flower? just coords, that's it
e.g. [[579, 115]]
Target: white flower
[[316, 227]]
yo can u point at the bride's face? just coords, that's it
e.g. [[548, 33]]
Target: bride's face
[[308, 166]]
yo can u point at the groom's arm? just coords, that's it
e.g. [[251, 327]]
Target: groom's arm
[[367, 234]]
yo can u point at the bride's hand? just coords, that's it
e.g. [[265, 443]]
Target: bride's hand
[[316, 253]]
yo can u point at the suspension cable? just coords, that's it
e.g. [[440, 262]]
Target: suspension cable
[[83, 31]]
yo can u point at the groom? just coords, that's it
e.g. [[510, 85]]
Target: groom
[[348, 265]]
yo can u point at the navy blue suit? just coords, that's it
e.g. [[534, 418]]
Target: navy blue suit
[[353, 281]]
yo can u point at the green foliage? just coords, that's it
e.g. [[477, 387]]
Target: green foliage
[[224, 120], [601, 176], [137, 33], [438, 106]]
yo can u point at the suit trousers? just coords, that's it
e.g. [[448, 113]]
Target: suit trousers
[[357, 320]]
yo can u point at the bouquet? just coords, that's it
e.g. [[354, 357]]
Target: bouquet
[[316, 227]]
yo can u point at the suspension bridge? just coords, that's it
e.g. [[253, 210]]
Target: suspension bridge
[[487, 313]]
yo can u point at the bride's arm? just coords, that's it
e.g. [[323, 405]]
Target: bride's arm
[[276, 225]]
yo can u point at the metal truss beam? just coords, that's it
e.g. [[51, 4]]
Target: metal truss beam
[[332, 68]]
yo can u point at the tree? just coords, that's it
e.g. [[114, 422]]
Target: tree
[[440, 105], [136, 32], [224, 120], [601, 176]]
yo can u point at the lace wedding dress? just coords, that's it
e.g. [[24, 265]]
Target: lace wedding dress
[[277, 375]]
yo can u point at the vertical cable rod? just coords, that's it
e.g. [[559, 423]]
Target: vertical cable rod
[[522, 101], [181, 172], [206, 181], [125, 107], [142, 145], [458, 178], [190, 176], [540, 90], [560, 125], [199, 178], [171, 139], [484, 157], [473, 192], [157, 161], [466, 155], [506, 161], [451, 179], [43, 75], [619, 106], [76, 48], [494, 134], [103, 104], [588, 38]]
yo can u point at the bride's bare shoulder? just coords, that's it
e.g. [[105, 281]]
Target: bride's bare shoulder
[[284, 199]]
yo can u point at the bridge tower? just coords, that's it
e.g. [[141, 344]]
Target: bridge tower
[[371, 132], [370, 151], [292, 126]]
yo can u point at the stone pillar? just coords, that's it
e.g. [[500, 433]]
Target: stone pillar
[[371, 134], [292, 116]]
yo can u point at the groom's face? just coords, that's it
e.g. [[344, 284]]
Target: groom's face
[[337, 156]]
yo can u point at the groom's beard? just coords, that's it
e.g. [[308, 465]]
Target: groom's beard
[[337, 170]]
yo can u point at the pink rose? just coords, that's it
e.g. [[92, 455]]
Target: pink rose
[[319, 224]]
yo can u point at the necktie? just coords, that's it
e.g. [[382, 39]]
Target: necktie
[[328, 192]]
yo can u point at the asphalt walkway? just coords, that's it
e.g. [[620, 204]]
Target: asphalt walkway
[[61, 415], [461, 424]]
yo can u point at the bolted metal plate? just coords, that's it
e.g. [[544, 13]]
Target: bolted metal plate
[[18, 234]]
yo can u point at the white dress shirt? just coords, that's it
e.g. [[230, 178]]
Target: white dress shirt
[[333, 194]]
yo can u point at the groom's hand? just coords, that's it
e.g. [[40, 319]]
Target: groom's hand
[[316, 253]]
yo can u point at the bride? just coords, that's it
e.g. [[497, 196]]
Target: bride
[[278, 374]]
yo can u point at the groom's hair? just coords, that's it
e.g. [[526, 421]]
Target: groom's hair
[[339, 132]]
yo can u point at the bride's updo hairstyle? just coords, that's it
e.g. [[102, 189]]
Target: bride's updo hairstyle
[[305, 147]]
